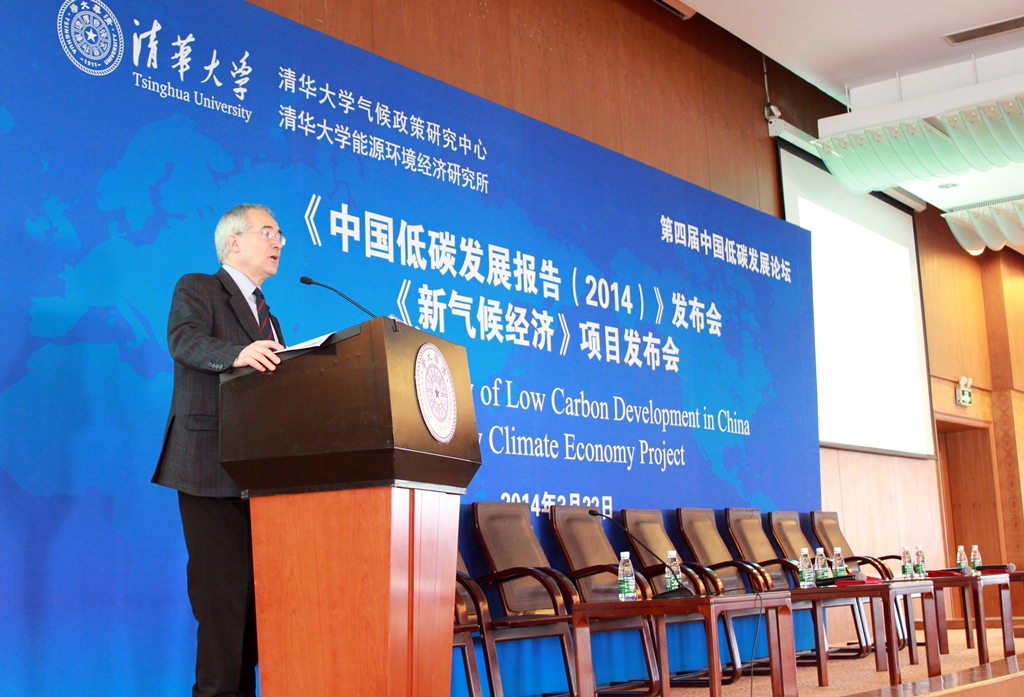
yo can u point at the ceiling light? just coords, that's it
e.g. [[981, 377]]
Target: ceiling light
[[986, 31], [977, 137], [992, 225]]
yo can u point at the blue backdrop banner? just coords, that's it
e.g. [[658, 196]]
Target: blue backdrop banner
[[634, 340]]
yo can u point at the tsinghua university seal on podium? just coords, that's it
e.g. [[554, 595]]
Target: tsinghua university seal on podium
[[90, 36], [435, 392]]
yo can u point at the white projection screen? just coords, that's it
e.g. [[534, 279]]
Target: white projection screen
[[873, 388]]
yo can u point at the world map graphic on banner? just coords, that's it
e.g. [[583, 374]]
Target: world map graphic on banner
[[633, 340]]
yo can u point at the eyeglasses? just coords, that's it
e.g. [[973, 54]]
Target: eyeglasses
[[270, 234]]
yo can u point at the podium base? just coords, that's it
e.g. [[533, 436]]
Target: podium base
[[354, 591]]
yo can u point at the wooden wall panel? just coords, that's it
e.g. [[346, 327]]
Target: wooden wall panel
[[954, 308], [685, 97], [1003, 287], [731, 176], [1011, 476], [1007, 416], [831, 485], [662, 110], [977, 497], [563, 66], [444, 38], [869, 513], [991, 266], [1013, 300], [731, 131], [946, 498], [351, 21], [974, 492], [920, 512], [919, 508]]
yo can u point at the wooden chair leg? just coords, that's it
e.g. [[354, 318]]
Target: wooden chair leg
[[569, 658], [491, 664], [464, 643], [908, 605], [651, 659], [861, 625], [940, 616], [736, 660], [968, 611]]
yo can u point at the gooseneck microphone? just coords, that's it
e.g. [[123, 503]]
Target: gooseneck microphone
[[310, 282], [681, 591]]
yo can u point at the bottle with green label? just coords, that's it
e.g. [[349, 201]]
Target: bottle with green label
[[672, 571], [821, 569], [838, 563], [975, 559], [920, 569], [961, 559], [906, 565], [627, 579], [806, 569]]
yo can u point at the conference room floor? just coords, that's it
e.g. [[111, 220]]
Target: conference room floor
[[849, 677]]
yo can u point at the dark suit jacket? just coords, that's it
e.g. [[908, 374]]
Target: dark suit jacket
[[209, 324]]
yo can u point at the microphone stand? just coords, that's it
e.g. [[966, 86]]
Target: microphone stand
[[310, 282]]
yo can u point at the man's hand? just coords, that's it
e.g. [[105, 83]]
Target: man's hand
[[259, 355]]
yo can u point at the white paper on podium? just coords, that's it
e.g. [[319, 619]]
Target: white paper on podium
[[309, 343]]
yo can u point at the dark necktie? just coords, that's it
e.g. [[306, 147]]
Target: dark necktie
[[263, 315]]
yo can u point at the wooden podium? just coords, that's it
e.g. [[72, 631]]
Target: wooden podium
[[355, 512]]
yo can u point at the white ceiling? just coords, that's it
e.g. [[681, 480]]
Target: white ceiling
[[834, 44], [884, 57]]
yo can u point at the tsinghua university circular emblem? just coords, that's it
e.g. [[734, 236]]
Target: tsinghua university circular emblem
[[90, 36], [435, 393]]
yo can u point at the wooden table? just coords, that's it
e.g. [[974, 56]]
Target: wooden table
[[973, 587], [883, 597], [777, 608]]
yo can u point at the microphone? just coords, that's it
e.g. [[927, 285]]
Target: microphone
[[310, 282], [681, 591]]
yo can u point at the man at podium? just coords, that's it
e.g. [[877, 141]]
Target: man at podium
[[219, 322]]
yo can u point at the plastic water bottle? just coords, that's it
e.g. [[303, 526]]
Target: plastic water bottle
[[838, 563], [672, 571], [806, 569], [920, 569], [906, 566], [821, 569], [961, 559], [627, 579], [975, 559]]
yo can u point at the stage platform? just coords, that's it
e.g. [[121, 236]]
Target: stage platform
[[961, 676]]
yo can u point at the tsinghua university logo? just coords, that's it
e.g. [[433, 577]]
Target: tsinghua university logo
[[90, 36], [435, 392]]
